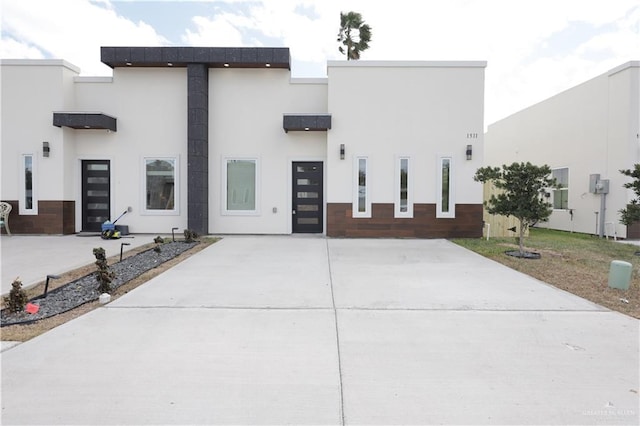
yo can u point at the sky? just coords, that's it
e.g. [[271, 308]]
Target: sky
[[534, 48]]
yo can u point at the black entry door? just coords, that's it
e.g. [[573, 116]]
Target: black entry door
[[307, 197], [95, 194]]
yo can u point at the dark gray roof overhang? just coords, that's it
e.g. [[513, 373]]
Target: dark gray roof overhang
[[214, 57], [84, 120], [306, 122]]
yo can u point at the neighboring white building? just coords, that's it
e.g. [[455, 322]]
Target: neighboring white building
[[224, 141], [591, 129]]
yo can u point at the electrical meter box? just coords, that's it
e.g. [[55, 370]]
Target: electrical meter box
[[602, 187], [593, 181], [597, 185]]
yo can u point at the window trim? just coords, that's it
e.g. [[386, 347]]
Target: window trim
[[367, 200], [176, 187], [397, 192], [223, 202], [565, 189], [22, 190], [451, 214]]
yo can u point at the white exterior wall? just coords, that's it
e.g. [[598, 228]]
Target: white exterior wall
[[383, 110], [379, 109], [150, 105], [246, 110], [31, 90], [591, 129]]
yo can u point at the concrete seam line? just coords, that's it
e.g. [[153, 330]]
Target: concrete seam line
[[222, 308], [335, 316], [364, 308]]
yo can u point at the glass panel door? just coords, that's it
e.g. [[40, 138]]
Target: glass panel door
[[96, 202], [307, 197]]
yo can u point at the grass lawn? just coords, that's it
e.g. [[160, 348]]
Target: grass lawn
[[577, 263]]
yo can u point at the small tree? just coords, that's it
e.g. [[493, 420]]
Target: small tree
[[354, 35], [632, 213], [523, 187], [190, 236], [105, 274], [17, 298]]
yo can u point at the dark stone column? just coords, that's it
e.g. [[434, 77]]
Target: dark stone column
[[198, 148]]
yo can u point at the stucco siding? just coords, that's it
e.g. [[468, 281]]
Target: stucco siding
[[150, 105], [205, 118], [383, 112], [246, 109], [589, 129]]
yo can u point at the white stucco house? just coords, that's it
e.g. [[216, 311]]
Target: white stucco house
[[225, 141], [586, 134]]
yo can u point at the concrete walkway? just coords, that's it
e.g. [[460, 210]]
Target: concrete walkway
[[308, 330]]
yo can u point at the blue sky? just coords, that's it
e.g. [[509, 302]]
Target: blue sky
[[534, 48]]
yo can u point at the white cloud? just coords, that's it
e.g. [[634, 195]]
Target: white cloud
[[515, 37], [74, 32], [218, 31], [306, 38], [10, 48]]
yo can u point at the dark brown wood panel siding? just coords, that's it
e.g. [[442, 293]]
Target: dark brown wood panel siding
[[633, 231], [54, 217], [424, 224]]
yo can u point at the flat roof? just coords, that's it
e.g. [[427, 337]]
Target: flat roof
[[409, 64], [213, 57], [40, 63]]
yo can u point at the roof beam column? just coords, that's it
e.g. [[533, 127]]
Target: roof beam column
[[198, 148]]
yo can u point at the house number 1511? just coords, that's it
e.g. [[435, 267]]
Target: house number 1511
[[472, 136]]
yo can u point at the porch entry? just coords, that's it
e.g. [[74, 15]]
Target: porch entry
[[307, 205], [96, 202]]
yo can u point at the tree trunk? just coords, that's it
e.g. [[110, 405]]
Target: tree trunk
[[521, 239]]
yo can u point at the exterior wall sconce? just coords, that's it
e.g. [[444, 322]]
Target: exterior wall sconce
[[342, 151], [469, 152], [45, 149]]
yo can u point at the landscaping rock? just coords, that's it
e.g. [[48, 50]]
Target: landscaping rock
[[525, 255], [85, 289]]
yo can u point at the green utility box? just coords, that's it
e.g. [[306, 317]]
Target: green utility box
[[620, 274]]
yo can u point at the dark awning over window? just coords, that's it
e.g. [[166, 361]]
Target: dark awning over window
[[214, 57], [84, 120], [306, 122]]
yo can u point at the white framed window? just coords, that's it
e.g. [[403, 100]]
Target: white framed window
[[361, 200], [241, 186], [561, 194], [403, 188], [28, 203], [445, 200], [160, 177]]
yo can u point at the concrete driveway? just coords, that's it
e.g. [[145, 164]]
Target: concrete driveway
[[308, 330]]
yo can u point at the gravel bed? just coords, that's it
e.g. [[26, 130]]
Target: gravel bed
[[85, 289]]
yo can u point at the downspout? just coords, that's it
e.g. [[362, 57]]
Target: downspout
[[603, 208]]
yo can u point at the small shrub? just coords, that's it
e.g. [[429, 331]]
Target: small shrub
[[190, 236], [17, 298], [105, 274], [158, 240]]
